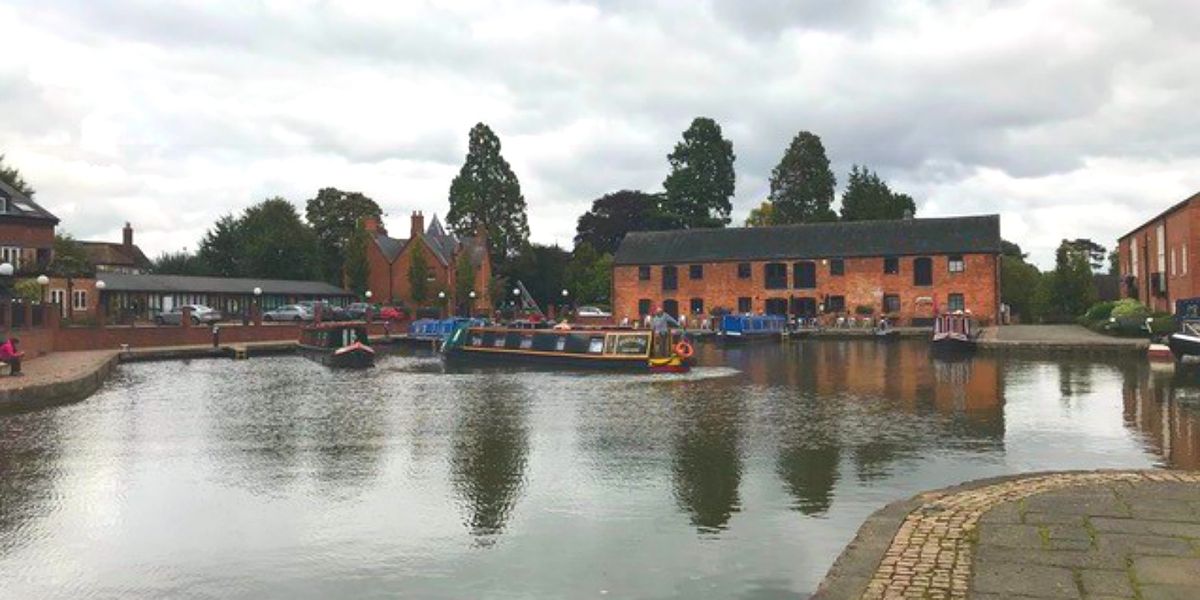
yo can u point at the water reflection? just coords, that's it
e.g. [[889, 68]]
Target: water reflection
[[706, 459], [30, 456], [1164, 406], [490, 450]]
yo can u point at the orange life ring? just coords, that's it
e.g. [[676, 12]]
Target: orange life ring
[[684, 349]]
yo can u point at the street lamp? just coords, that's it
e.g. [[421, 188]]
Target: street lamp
[[442, 303], [43, 281], [471, 308], [100, 285], [6, 271], [368, 294]]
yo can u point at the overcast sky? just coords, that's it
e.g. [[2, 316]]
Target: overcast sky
[[1069, 118]]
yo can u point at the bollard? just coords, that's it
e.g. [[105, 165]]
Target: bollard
[[216, 335]]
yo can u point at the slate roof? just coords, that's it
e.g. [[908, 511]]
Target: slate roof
[[108, 253], [975, 234], [185, 284], [443, 244], [20, 205]]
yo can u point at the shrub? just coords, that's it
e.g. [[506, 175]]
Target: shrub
[[1099, 311], [1129, 308], [1163, 325], [864, 309]]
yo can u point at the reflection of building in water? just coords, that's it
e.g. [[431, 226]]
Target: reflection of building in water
[[707, 460], [491, 445], [1165, 409]]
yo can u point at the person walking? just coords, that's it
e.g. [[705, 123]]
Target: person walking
[[11, 355]]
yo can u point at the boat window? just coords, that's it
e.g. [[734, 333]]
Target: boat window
[[561, 343], [513, 340], [527, 342], [632, 344], [498, 342], [578, 342], [596, 345], [610, 344], [477, 340]]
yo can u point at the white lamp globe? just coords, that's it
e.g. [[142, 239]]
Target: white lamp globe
[[6, 269], [100, 285], [257, 291], [43, 280]]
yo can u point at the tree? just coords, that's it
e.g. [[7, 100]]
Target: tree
[[1069, 290], [276, 243], [1114, 262], [1019, 283], [762, 216], [70, 259], [12, 176], [542, 270], [702, 179], [356, 268], [179, 263], [589, 275], [1008, 248], [464, 281], [222, 248], [1090, 251], [868, 198], [335, 216], [616, 214], [802, 183], [418, 276], [486, 194]]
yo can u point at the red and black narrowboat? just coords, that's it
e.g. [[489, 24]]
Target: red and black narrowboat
[[342, 345], [955, 332], [622, 349]]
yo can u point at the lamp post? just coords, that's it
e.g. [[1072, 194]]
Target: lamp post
[[44, 282], [442, 303], [471, 304], [103, 302], [565, 304], [257, 305], [367, 294], [6, 273]]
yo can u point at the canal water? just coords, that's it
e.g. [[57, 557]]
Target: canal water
[[277, 478]]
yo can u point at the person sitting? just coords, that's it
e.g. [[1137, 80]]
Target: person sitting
[[10, 355]]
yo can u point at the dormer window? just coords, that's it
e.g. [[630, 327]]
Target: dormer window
[[3, 204]]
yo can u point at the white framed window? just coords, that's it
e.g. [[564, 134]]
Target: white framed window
[[1161, 234], [1133, 257], [1183, 259], [11, 255], [957, 264], [78, 299], [1172, 262]]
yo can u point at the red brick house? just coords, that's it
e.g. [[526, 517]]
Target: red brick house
[[26, 232], [909, 269], [124, 257], [1154, 258], [389, 260]]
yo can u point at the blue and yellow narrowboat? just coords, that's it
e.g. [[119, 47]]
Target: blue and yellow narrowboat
[[632, 350]]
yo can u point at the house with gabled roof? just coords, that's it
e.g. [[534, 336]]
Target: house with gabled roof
[[390, 261], [26, 232]]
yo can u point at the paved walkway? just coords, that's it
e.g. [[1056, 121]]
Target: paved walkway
[[56, 379], [1096, 535], [1058, 334]]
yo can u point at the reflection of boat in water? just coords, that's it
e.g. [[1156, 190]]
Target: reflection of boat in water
[[341, 345], [749, 328], [1186, 341], [954, 333], [590, 348]]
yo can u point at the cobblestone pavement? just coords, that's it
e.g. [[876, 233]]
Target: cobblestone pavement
[[1094, 535], [56, 368]]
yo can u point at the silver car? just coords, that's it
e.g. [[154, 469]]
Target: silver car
[[200, 315], [290, 312]]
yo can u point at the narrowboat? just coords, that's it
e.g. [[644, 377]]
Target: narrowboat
[[749, 328], [438, 329], [342, 345], [631, 350], [1186, 341], [954, 332]]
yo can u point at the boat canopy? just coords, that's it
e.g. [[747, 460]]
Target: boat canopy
[[956, 322], [754, 323]]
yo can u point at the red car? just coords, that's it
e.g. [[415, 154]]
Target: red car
[[393, 313]]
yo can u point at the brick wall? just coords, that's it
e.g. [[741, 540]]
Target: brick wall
[[1180, 229], [863, 283]]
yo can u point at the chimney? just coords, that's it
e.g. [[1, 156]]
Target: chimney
[[127, 237], [418, 224], [372, 225]]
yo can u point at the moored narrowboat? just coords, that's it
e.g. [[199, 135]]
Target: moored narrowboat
[[954, 332], [749, 328], [342, 345], [632, 350]]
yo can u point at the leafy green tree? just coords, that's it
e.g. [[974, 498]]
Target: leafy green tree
[[1019, 283], [762, 216], [1013, 249], [802, 183], [701, 182], [868, 198], [1114, 262], [179, 263], [70, 259], [335, 216], [542, 269], [418, 277], [1090, 251], [357, 270], [28, 290], [486, 194], [1069, 289], [589, 276], [616, 214], [277, 243], [464, 282], [222, 249], [12, 176]]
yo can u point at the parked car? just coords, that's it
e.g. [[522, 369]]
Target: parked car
[[200, 315], [290, 312], [358, 311], [592, 311], [329, 312], [393, 313]]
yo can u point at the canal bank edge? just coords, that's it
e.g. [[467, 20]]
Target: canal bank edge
[[73, 388], [924, 545]]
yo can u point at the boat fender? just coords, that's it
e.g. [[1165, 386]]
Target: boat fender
[[684, 349]]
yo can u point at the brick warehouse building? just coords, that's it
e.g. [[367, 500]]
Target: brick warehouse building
[[1154, 258], [909, 269], [389, 260]]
